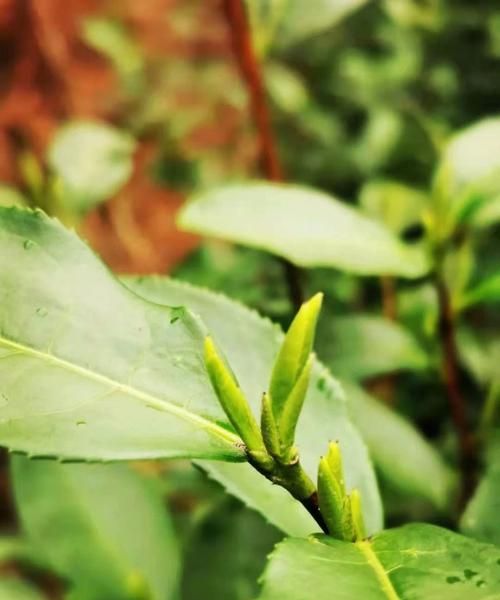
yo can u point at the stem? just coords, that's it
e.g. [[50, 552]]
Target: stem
[[450, 366], [251, 74]]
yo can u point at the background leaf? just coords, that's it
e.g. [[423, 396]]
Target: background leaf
[[308, 227], [100, 526], [362, 346], [93, 161], [406, 460], [411, 562], [15, 589]]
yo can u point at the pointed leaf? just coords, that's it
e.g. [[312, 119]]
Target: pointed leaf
[[89, 370]]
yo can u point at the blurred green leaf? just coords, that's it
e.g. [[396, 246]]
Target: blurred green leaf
[[397, 205], [405, 458], [363, 346], [88, 369], [227, 554], [15, 589], [93, 161], [480, 519], [487, 291], [10, 196], [306, 226], [302, 20], [286, 88], [408, 563], [101, 527], [236, 330]]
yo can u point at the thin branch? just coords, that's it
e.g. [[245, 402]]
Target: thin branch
[[251, 73], [457, 403]]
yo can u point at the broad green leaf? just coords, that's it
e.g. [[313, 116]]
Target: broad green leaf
[[364, 346], [486, 291], [226, 555], [480, 519], [88, 370], [236, 330], [414, 562], [308, 227], [406, 460], [93, 160], [101, 527], [15, 589]]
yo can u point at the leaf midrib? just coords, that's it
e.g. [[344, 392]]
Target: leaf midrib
[[148, 399], [373, 561]]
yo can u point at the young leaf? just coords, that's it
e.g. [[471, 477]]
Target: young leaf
[[318, 231], [408, 563], [331, 500], [323, 417], [294, 353], [88, 369], [101, 527], [232, 399], [357, 516]]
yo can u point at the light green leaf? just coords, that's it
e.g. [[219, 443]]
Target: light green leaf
[[364, 346], [15, 589], [468, 177], [480, 519], [303, 20], [394, 203], [250, 344], [101, 527], [93, 160], [487, 291], [10, 196], [414, 562], [88, 370], [406, 460], [308, 227]]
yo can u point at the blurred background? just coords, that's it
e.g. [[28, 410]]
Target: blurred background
[[113, 112]]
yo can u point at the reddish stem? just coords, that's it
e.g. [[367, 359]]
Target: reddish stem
[[251, 73], [450, 365]]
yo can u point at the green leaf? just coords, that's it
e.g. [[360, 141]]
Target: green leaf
[[363, 346], [15, 589], [406, 460], [408, 563], [305, 226], [397, 205], [487, 291], [88, 370], [468, 177], [227, 554], [236, 330], [305, 20], [101, 527], [93, 161], [10, 196], [480, 519]]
